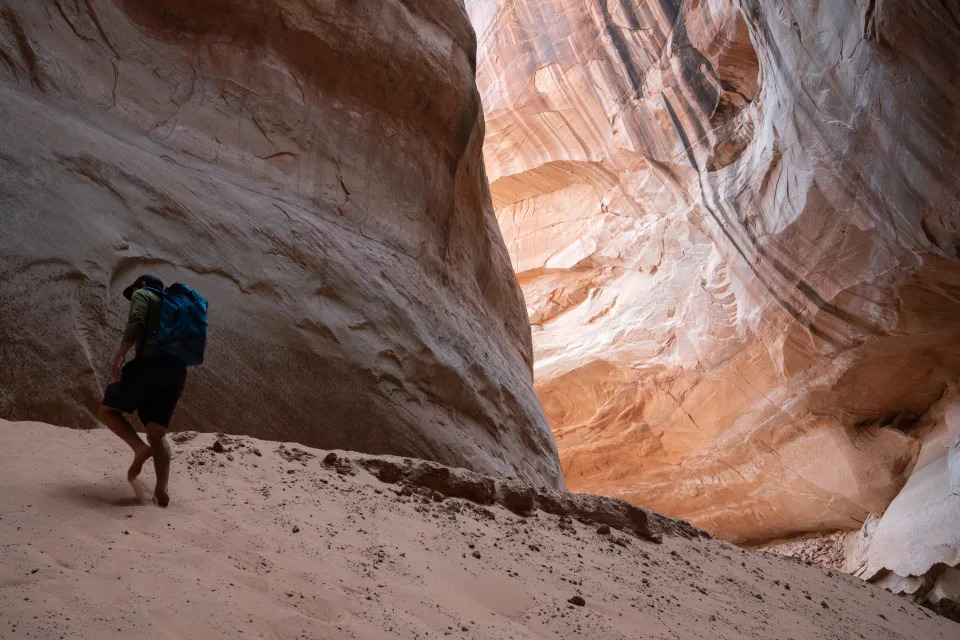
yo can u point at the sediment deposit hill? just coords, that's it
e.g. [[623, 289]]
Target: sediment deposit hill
[[272, 539]]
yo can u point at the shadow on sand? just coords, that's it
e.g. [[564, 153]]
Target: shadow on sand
[[113, 496]]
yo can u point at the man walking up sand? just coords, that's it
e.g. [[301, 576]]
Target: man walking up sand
[[149, 385]]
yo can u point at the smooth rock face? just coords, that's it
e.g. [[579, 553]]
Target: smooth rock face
[[914, 548], [314, 168], [737, 227]]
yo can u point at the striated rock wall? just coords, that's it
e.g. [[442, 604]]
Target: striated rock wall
[[313, 167], [737, 228]]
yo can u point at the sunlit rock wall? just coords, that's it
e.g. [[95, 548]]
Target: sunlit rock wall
[[736, 229], [314, 168], [914, 547]]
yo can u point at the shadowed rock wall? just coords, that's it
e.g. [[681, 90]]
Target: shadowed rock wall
[[314, 168], [737, 228]]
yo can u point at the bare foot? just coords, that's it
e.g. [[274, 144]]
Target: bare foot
[[138, 459], [139, 491], [160, 497]]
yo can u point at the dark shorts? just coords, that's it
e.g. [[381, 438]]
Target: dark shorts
[[149, 386]]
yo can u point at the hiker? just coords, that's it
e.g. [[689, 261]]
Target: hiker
[[150, 384]]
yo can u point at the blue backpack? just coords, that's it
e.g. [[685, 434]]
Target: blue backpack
[[183, 324]]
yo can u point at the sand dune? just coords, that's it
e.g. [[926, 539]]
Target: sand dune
[[264, 540]]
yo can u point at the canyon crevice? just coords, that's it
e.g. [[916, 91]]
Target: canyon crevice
[[314, 168], [737, 229], [735, 223]]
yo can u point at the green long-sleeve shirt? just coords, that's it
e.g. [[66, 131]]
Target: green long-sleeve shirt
[[144, 321]]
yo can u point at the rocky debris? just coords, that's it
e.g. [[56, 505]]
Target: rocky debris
[[294, 454], [524, 500], [345, 468], [182, 437], [339, 222], [831, 550], [738, 242], [577, 600], [455, 483], [620, 541], [341, 464]]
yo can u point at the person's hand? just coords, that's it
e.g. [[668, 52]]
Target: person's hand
[[115, 370]]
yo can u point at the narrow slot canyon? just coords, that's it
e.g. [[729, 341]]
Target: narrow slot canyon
[[598, 319], [718, 213]]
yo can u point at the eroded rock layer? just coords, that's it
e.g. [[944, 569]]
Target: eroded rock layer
[[737, 228], [913, 547], [314, 168]]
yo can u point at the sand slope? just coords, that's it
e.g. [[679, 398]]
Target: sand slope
[[266, 541]]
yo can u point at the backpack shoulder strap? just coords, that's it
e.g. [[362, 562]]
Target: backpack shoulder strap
[[156, 308]]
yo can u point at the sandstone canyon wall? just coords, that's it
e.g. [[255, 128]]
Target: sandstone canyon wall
[[312, 166], [737, 228], [914, 547]]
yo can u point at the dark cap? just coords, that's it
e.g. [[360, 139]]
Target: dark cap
[[149, 280]]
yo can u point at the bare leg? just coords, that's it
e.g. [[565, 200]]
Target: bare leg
[[115, 421], [157, 436]]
